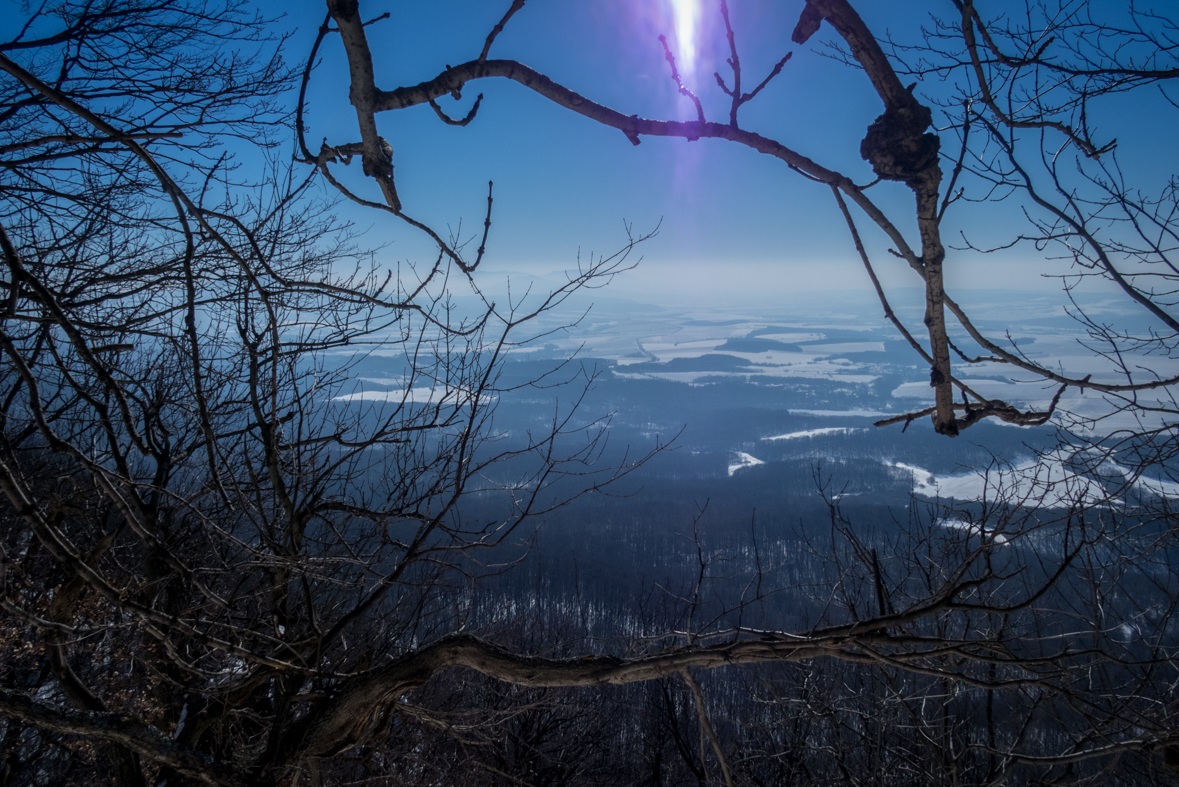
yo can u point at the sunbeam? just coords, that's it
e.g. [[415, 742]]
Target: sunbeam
[[686, 14]]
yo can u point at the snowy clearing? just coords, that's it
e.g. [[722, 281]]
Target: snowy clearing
[[816, 432], [1040, 483], [744, 460], [412, 396]]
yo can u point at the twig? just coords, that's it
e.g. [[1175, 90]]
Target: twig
[[675, 74], [499, 28], [451, 121]]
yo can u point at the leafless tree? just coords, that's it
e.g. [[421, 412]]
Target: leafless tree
[[216, 571], [205, 515]]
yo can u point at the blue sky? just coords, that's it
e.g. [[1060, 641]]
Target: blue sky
[[733, 220]]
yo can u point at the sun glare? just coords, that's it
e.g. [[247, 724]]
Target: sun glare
[[686, 14]]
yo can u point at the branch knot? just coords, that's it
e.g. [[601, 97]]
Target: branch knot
[[896, 146]]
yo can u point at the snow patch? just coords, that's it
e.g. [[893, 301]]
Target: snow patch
[[1045, 482], [1159, 488], [744, 460], [987, 536], [842, 413], [922, 479], [815, 433], [412, 396]]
